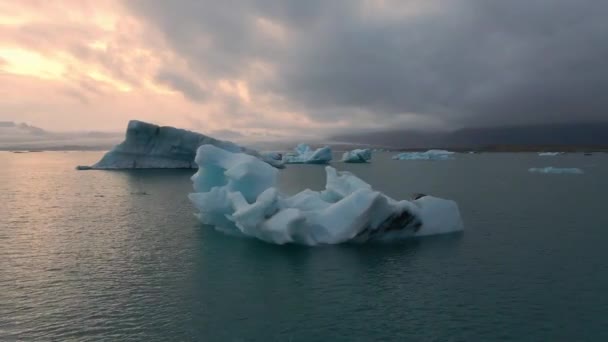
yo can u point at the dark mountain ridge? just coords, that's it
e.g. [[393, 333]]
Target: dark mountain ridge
[[566, 136]]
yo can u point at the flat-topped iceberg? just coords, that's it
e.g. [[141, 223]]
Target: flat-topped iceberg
[[551, 169], [549, 154], [428, 155], [305, 155], [357, 156], [148, 146], [237, 193]]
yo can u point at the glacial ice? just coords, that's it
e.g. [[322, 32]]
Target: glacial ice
[[305, 155], [148, 146], [428, 155], [236, 193], [549, 154], [357, 156], [551, 169]]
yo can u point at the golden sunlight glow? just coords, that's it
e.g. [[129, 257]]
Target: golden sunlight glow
[[159, 89], [117, 84], [25, 62], [98, 45], [105, 21], [238, 88], [11, 20], [95, 56], [243, 91]]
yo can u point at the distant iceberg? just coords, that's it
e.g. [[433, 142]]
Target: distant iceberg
[[275, 157], [549, 154], [236, 193], [357, 156], [550, 169], [305, 155], [428, 155], [148, 146]]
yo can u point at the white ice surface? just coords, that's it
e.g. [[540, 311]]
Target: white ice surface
[[236, 193], [150, 146], [549, 154], [551, 169], [357, 156], [305, 155], [428, 155]]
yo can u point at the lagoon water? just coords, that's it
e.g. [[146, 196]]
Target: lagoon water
[[118, 255]]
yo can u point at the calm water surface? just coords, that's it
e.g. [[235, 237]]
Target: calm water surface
[[118, 255]]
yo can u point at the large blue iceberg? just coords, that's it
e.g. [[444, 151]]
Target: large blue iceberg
[[148, 146], [428, 155], [357, 156], [305, 155], [236, 193]]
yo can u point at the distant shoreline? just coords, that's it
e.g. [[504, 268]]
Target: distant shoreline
[[55, 149], [512, 149], [548, 148], [487, 148]]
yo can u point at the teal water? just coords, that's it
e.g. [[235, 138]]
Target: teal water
[[118, 255]]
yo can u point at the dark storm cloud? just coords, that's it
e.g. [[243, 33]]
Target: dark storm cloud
[[464, 62]]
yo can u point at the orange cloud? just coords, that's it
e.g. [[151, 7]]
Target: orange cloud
[[84, 65]]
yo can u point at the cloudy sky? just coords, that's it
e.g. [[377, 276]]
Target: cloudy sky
[[292, 67]]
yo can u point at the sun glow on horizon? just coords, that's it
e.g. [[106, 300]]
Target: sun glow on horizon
[[30, 63], [95, 63]]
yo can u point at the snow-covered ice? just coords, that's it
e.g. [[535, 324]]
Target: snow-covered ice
[[549, 154], [551, 169], [305, 155], [428, 155], [357, 156], [148, 146], [236, 193]]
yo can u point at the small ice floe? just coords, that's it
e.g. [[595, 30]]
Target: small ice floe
[[551, 169], [428, 155]]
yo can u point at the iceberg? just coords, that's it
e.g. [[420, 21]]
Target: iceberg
[[549, 154], [551, 169], [273, 156], [148, 146], [428, 155], [236, 193], [357, 156], [305, 155]]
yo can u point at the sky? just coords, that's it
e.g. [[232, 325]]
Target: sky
[[273, 69]]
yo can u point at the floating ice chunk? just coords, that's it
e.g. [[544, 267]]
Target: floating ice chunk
[[550, 169], [428, 155], [236, 193], [357, 156], [148, 146], [305, 155], [549, 154], [439, 216]]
